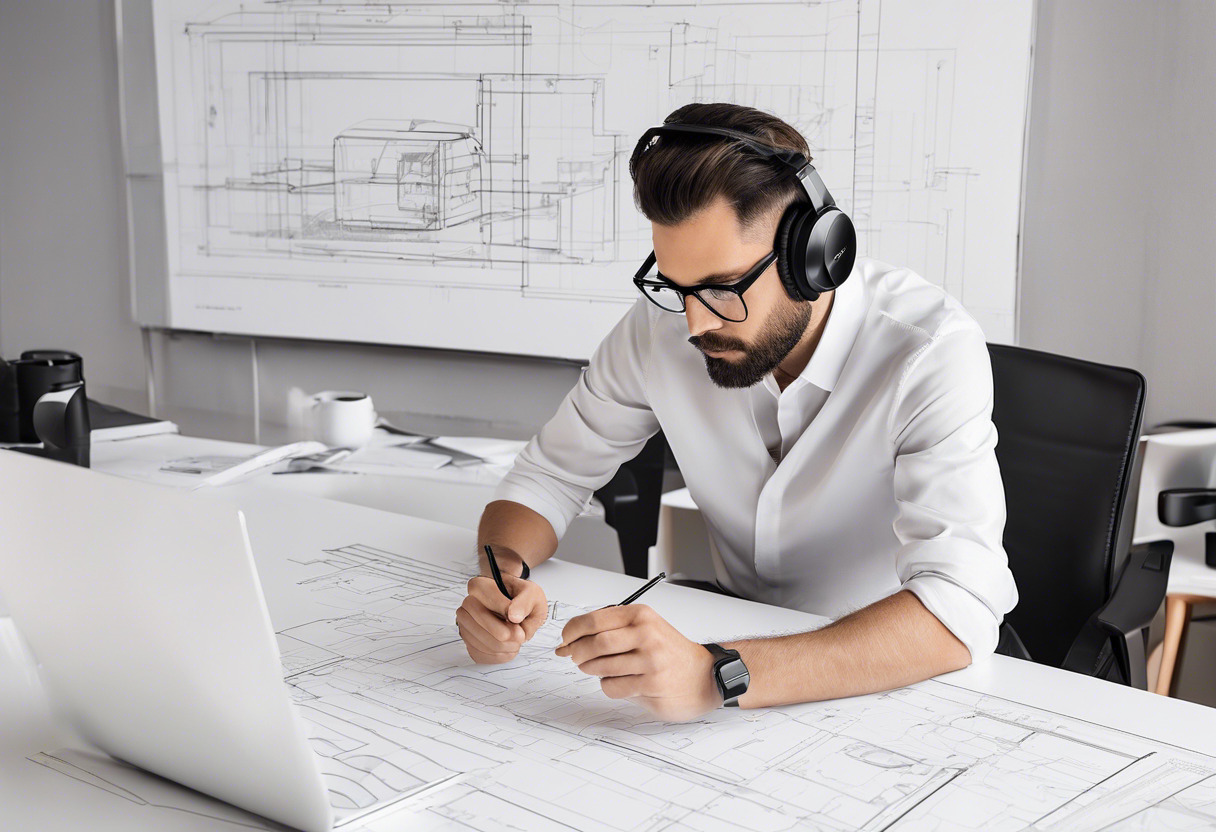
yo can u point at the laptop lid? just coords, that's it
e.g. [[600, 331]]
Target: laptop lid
[[144, 609]]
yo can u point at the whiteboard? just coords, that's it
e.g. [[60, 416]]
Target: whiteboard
[[456, 175]]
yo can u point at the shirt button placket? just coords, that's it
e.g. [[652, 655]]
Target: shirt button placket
[[787, 418], [768, 506], [768, 529]]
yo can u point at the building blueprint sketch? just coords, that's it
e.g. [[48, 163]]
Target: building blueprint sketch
[[456, 174], [394, 705]]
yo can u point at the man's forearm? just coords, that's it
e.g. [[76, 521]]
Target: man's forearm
[[889, 644], [516, 532]]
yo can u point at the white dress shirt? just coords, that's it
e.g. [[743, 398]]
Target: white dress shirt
[[887, 477]]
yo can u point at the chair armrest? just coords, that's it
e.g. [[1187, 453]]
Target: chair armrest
[[1186, 506], [1137, 596]]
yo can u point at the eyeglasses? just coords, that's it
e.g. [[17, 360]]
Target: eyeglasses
[[725, 301]]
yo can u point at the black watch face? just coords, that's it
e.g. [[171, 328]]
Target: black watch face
[[733, 678]]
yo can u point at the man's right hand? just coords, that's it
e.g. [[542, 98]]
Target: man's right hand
[[493, 626]]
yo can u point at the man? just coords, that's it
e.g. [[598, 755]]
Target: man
[[840, 449]]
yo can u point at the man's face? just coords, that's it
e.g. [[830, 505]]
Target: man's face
[[710, 247]]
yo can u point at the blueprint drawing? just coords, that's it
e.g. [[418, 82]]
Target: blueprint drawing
[[381, 677], [456, 174]]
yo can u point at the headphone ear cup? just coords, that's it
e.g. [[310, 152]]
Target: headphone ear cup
[[830, 249], [791, 265]]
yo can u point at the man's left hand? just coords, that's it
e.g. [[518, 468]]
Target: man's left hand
[[640, 657]]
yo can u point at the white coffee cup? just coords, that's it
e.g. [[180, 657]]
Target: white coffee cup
[[341, 418]]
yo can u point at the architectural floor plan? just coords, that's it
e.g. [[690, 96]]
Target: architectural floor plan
[[395, 706]]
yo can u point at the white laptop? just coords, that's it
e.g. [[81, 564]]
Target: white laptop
[[143, 607]]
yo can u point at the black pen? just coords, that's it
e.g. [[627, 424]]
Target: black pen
[[496, 572], [635, 596]]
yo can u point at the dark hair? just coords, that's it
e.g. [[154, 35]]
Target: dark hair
[[680, 175]]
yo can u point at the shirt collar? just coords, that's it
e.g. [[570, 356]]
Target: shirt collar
[[844, 322]]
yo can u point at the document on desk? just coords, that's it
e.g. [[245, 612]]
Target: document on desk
[[378, 670]]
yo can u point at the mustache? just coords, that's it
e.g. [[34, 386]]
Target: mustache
[[716, 343]]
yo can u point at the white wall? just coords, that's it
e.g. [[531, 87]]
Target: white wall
[[64, 266], [1119, 236], [62, 233], [1180, 314], [1120, 232]]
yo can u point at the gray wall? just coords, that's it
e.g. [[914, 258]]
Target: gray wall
[[62, 233], [1118, 244], [63, 262], [1180, 316], [1119, 240]]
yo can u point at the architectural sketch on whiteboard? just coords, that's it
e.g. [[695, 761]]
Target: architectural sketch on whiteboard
[[456, 175]]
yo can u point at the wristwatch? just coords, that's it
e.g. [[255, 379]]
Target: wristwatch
[[730, 674]]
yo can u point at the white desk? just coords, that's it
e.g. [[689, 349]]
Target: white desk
[[1026, 717], [452, 495]]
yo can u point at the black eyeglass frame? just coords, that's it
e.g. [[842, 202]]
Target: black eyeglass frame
[[738, 287]]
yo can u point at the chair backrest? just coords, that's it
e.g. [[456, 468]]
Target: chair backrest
[[1067, 437]]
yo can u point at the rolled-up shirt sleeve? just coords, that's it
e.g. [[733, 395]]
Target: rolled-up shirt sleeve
[[604, 420], [951, 503]]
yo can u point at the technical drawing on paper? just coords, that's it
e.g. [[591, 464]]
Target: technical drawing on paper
[[133, 785], [407, 173], [394, 703]]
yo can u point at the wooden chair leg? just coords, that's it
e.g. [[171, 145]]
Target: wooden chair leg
[[1154, 664], [1177, 617]]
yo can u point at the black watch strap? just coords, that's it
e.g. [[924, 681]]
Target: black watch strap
[[730, 674], [526, 571]]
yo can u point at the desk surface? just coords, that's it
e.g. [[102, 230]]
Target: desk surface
[[143, 458], [453, 495], [996, 742], [1189, 574]]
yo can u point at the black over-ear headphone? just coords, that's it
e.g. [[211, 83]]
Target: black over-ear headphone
[[816, 243]]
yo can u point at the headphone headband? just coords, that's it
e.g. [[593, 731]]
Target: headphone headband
[[790, 158]]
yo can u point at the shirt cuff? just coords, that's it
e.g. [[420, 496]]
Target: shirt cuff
[[523, 492], [963, 614]]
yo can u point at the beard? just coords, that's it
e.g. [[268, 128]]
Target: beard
[[779, 335]]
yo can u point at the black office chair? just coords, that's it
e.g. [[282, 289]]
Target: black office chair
[[631, 504], [1068, 432]]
